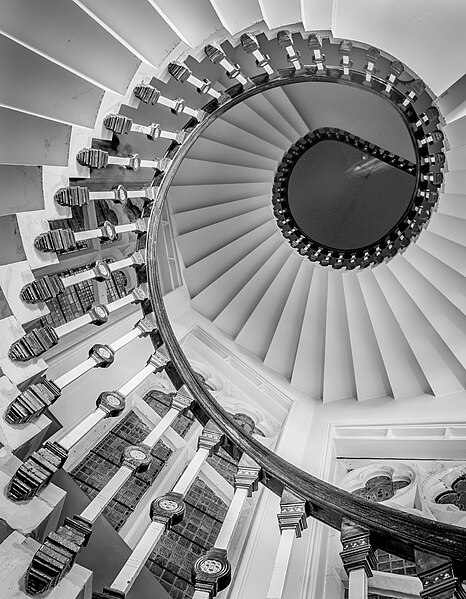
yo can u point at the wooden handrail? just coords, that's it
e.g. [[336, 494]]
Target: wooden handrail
[[392, 530]]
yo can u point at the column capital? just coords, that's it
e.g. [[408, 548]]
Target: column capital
[[210, 437], [168, 509], [247, 475], [212, 572], [437, 577], [293, 513], [357, 551], [181, 401]]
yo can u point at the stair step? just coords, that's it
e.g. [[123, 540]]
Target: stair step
[[308, 368], [444, 317], [263, 108], [449, 227], [282, 350], [39, 87], [26, 134], [369, 370], [239, 15], [455, 182], [317, 15], [199, 172], [68, 36], [456, 159], [213, 151], [203, 273], [279, 14], [452, 254], [183, 198], [193, 22], [198, 244], [225, 133], [453, 204], [232, 318], [339, 381], [366, 20], [450, 283], [203, 217], [243, 117], [215, 297], [403, 370], [455, 132], [134, 24], [432, 354], [280, 101], [258, 331]]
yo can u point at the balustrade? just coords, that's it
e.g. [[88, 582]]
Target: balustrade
[[151, 95], [43, 573], [64, 240], [81, 196], [100, 159], [47, 287], [35, 473], [301, 494], [181, 73], [165, 512], [217, 56], [119, 123], [285, 41]]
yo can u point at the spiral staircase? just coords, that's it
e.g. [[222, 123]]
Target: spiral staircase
[[229, 103]]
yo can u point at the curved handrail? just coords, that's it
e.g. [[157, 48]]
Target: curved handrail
[[393, 530]]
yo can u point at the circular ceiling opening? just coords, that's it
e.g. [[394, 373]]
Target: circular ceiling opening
[[345, 198]]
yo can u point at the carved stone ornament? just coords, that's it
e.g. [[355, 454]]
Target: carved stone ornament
[[168, 509], [137, 457], [443, 494], [212, 572], [393, 485]]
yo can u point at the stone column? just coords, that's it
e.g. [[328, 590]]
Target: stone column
[[357, 557], [292, 521]]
